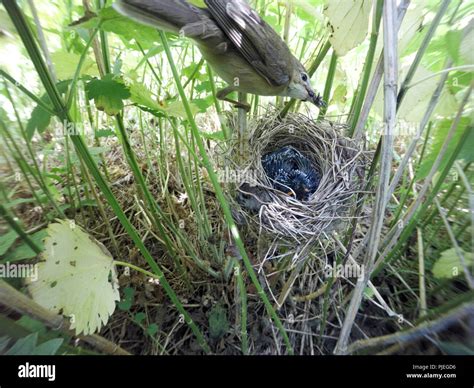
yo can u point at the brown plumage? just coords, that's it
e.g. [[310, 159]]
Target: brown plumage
[[239, 45]]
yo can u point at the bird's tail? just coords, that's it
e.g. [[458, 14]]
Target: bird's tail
[[168, 15]]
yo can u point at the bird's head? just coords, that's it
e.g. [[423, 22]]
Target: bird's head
[[300, 86], [301, 186]]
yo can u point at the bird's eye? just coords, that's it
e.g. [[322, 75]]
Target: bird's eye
[[304, 77]]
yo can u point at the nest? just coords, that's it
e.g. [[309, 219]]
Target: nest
[[340, 162]]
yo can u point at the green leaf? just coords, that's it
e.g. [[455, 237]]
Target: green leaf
[[23, 251], [49, 348], [348, 23], [104, 133], [218, 323], [127, 301], [368, 293], [77, 278], [340, 95], [66, 65], [95, 153], [6, 241], [108, 94], [127, 29], [439, 135], [141, 95], [139, 317], [40, 119], [453, 44], [415, 103], [198, 3], [152, 329], [24, 346], [466, 152], [32, 325], [215, 136], [467, 47], [176, 109], [27, 346], [203, 104], [449, 264]]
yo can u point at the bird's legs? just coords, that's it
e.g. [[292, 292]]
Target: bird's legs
[[222, 95]]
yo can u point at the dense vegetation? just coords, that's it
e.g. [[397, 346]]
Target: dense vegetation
[[112, 130]]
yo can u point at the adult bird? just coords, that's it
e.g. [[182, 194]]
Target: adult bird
[[239, 45]]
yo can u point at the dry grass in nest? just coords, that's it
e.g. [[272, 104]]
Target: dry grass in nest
[[340, 161]]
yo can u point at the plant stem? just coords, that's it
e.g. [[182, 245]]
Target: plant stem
[[220, 195]]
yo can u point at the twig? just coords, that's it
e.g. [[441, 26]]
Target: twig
[[377, 77], [390, 106], [424, 329], [426, 186], [20, 303], [42, 40]]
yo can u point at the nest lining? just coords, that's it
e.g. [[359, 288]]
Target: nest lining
[[339, 160]]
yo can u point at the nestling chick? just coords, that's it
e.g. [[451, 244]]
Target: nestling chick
[[291, 172]]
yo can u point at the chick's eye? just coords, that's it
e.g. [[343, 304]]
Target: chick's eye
[[304, 77]]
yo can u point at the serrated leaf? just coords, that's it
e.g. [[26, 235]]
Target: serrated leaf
[[348, 23], [449, 264], [74, 278], [40, 119], [176, 109], [108, 94], [141, 95]]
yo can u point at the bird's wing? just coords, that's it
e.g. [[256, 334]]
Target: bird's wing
[[176, 16], [258, 43]]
